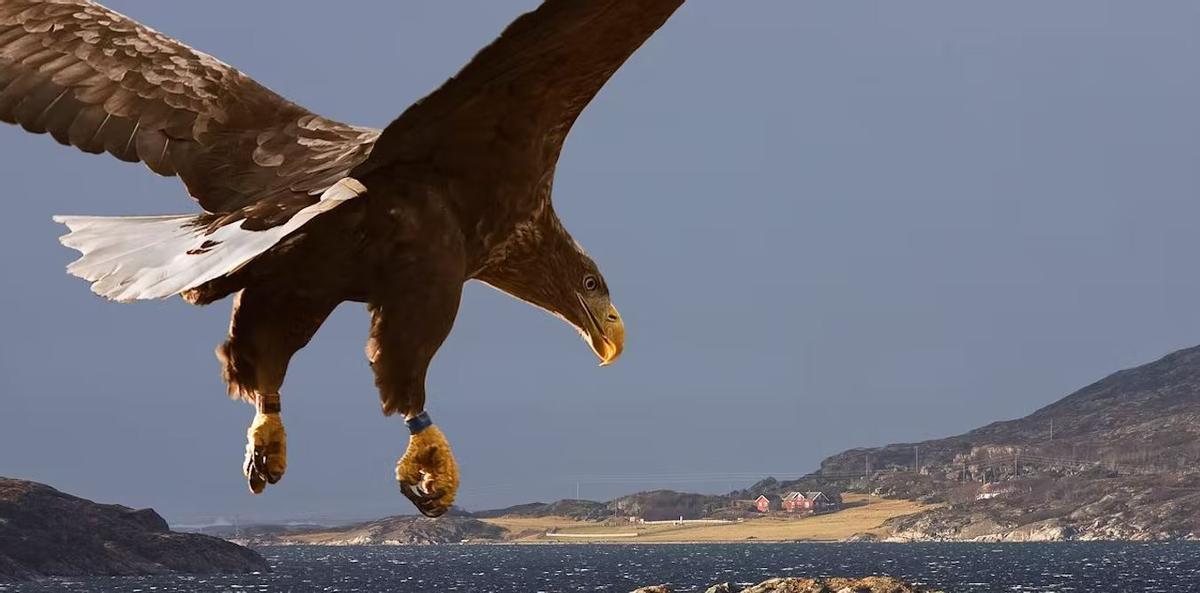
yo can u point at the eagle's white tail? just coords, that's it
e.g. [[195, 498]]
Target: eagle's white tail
[[136, 257], [152, 257]]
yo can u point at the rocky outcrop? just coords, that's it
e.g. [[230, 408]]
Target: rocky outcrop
[[392, 531], [793, 585], [1040, 508], [44, 532], [863, 537]]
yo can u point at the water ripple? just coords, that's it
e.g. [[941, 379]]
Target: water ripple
[[962, 568]]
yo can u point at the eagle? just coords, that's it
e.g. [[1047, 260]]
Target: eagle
[[301, 213]]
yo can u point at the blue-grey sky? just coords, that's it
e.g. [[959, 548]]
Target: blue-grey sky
[[827, 224]]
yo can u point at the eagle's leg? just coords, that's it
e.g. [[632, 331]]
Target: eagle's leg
[[267, 328], [408, 325], [266, 444]]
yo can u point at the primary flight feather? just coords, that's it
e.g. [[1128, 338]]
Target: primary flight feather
[[301, 213]]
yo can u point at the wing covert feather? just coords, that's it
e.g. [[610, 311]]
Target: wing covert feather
[[99, 81]]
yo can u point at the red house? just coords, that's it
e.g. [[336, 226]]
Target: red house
[[766, 503], [807, 502]]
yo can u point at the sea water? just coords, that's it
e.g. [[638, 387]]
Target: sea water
[[953, 567]]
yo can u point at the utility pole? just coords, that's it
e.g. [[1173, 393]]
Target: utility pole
[[1052, 429], [577, 491], [917, 459]]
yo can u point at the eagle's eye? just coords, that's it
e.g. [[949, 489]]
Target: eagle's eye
[[590, 283]]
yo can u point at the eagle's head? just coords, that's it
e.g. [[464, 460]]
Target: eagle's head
[[595, 316], [547, 268]]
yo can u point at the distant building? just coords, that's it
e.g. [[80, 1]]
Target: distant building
[[807, 502], [768, 502], [993, 490], [795, 502]]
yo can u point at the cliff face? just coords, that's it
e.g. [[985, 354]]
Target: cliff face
[[44, 532], [1118, 459]]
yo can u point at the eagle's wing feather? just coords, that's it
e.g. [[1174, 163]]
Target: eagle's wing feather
[[153, 257], [508, 111], [101, 82]]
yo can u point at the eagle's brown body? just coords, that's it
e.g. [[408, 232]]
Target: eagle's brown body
[[302, 213]]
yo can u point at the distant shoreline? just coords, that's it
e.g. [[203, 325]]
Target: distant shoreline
[[734, 542], [863, 517]]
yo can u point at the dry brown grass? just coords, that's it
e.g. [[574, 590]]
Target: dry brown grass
[[533, 528], [862, 514]]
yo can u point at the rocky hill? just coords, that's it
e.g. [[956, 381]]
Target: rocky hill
[[1050, 506], [1147, 417], [397, 530], [661, 505], [831, 488], [585, 510], [44, 532], [654, 505], [1118, 459]]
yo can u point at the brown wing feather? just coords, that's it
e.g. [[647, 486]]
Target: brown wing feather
[[96, 80], [509, 110]]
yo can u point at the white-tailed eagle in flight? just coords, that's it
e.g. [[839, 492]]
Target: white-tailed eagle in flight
[[301, 213]]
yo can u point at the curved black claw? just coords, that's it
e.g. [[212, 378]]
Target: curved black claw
[[255, 471], [429, 504], [258, 472]]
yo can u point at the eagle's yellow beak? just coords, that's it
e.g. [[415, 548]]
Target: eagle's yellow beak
[[605, 332], [612, 341]]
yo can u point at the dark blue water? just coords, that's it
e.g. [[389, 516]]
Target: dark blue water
[[1083, 567]]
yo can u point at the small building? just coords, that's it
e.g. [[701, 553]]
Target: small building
[[766, 503], [795, 502], [807, 502], [994, 490]]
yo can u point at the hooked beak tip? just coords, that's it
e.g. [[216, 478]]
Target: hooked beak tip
[[613, 338], [605, 333]]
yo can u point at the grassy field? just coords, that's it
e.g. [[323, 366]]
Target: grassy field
[[862, 514], [535, 528]]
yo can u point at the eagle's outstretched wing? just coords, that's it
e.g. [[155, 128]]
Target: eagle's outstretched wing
[[504, 116], [99, 81]]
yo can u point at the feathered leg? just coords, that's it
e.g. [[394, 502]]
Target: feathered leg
[[408, 325], [267, 328]]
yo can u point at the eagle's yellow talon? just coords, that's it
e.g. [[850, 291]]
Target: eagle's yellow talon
[[266, 452], [428, 473]]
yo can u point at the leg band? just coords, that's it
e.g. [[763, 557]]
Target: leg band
[[267, 403], [419, 422]]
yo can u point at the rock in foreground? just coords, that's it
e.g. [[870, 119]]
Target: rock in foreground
[[45, 533], [793, 585]]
